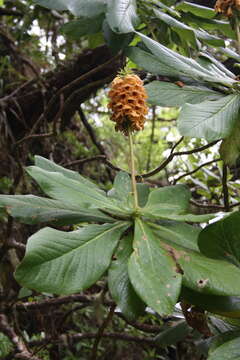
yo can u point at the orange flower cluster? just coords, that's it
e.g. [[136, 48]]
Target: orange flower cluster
[[227, 7], [128, 103]]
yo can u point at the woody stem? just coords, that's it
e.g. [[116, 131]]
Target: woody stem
[[132, 170]]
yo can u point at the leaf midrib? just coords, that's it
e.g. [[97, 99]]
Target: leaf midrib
[[86, 243]]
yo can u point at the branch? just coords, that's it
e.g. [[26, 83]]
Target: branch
[[93, 158], [225, 188], [177, 153], [79, 336], [10, 12], [57, 301], [21, 351], [195, 170], [91, 132], [100, 332], [143, 327]]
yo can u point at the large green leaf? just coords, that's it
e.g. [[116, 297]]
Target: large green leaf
[[122, 190], [49, 165], [200, 273], [143, 193], [230, 146], [121, 187], [77, 28], [199, 10], [31, 209], [122, 15], [68, 262], [172, 202], [53, 4], [209, 38], [173, 333], [209, 24], [180, 233], [168, 94], [115, 41], [230, 350], [60, 187], [152, 271], [119, 284], [184, 30], [211, 120], [149, 62], [221, 240], [85, 8], [168, 200], [227, 306], [183, 65]]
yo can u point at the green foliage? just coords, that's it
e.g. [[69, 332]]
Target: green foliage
[[67, 262], [5, 346], [220, 240]]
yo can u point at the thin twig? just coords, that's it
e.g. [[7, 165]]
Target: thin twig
[[173, 154], [195, 170], [143, 327], [225, 188], [101, 332], [115, 336], [91, 132], [151, 138]]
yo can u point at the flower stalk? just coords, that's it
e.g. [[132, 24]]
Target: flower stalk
[[133, 171]]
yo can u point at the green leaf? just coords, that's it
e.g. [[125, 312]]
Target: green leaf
[[76, 29], [227, 306], [221, 240], [84, 8], [168, 94], [119, 284], [211, 120], [180, 233], [122, 15], [185, 31], [200, 273], [31, 209], [230, 53], [87, 8], [183, 65], [122, 186], [230, 146], [152, 271], [213, 64], [60, 187], [168, 200], [173, 333], [199, 10], [53, 4], [49, 165], [209, 24], [230, 350], [209, 38], [149, 62], [68, 262], [143, 193], [116, 41]]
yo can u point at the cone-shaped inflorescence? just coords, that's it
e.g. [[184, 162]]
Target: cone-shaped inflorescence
[[227, 7], [128, 103]]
